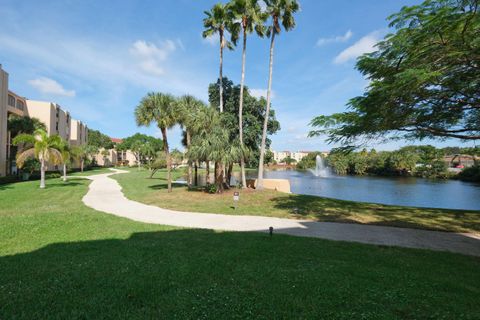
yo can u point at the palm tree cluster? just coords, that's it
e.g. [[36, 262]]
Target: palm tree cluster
[[49, 150], [207, 135], [240, 18]]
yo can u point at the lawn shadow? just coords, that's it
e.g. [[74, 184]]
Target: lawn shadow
[[207, 274], [334, 210]]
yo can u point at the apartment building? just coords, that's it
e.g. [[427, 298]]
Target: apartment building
[[52, 115], [3, 120], [78, 133], [278, 156], [56, 119]]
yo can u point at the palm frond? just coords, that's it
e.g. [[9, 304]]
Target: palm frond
[[24, 155]]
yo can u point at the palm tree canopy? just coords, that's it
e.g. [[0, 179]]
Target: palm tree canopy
[[188, 107], [247, 15], [212, 140], [216, 21], [282, 12], [157, 107], [40, 146]]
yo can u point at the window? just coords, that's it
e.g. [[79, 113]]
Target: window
[[58, 113], [20, 105], [11, 101], [56, 126]]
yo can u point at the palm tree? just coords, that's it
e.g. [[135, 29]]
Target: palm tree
[[188, 107], [217, 21], [82, 153], [281, 12], [248, 17], [159, 108], [149, 152], [40, 146], [66, 156]]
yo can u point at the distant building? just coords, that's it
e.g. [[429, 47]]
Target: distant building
[[279, 156]]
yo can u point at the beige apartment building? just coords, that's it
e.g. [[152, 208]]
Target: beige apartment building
[[57, 121], [52, 115], [78, 133]]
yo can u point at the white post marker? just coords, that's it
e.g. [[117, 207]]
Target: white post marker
[[236, 198]]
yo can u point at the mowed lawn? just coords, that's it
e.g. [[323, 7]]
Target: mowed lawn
[[137, 186], [62, 260]]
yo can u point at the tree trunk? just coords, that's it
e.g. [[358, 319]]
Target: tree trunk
[[207, 175], [64, 172], [189, 178], [219, 177], [221, 70], [81, 165], [42, 174], [139, 162], [229, 174], [240, 109], [267, 114], [196, 173], [167, 156]]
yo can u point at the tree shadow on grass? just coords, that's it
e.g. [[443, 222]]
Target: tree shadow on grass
[[334, 210], [206, 274], [165, 186]]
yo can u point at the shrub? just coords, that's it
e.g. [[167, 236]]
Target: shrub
[[471, 174], [211, 188]]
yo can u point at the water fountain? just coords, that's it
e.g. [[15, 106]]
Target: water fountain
[[320, 169]]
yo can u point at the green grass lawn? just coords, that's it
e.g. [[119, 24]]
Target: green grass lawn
[[62, 260], [137, 186]]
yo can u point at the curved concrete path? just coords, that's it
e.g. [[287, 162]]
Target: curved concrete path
[[105, 194]]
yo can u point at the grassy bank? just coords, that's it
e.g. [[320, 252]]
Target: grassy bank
[[60, 259], [136, 186]]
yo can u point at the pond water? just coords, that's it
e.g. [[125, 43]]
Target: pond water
[[450, 194]]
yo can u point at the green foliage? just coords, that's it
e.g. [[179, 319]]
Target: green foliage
[[31, 165], [253, 117], [471, 174], [289, 160], [17, 124], [99, 140], [211, 188], [138, 140], [309, 161], [421, 161], [424, 79]]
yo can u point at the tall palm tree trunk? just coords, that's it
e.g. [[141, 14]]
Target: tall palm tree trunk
[[81, 164], [167, 156], [42, 174], [229, 174], [64, 172], [219, 178], [240, 109], [221, 70], [196, 173], [189, 178], [207, 174], [267, 113]]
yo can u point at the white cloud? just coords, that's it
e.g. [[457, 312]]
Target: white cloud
[[257, 93], [336, 39], [150, 57], [50, 86], [364, 45]]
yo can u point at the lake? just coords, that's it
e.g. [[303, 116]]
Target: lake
[[403, 191]]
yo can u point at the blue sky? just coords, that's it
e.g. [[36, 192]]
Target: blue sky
[[98, 58]]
